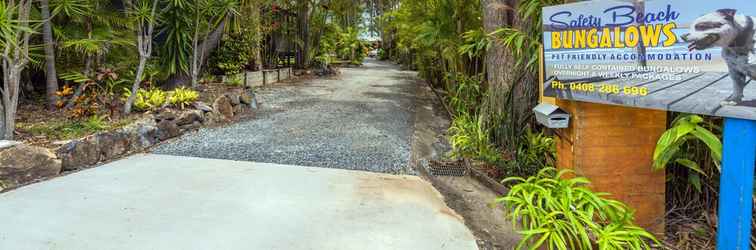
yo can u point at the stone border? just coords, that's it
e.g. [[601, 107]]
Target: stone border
[[22, 164]]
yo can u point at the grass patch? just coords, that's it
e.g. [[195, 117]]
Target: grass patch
[[71, 129]]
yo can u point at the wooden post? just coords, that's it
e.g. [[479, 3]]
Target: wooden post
[[736, 185], [613, 146]]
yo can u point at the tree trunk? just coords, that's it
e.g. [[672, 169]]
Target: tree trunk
[[10, 104], [144, 47], [303, 25], [135, 86], [51, 73], [209, 45], [15, 57], [498, 57]]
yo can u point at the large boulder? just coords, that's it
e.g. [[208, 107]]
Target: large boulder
[[233, 98], [81, 153], [165, 115], [190, 117], [113, 144], [147, 135], [203, 107], [20, 164], [190, 127], [248, 98], [167, 129], [223, 106]]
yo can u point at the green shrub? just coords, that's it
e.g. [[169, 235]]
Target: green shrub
[[535, 151], [469, 139], [181, 97], [555, 212], [688, 129], [382, 54], [234, 53], [150, 99], [465, 96], [234, 80]]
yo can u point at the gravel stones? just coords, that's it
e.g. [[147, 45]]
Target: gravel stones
[[363, 121]]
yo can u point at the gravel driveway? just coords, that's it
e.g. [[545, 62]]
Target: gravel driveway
[[361, 120]]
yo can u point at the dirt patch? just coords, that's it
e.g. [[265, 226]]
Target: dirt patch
[[471, 199], [475, 202]]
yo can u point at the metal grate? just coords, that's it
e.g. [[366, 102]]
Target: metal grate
[[447, 168]]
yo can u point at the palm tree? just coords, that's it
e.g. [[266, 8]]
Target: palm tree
[[47, 37]]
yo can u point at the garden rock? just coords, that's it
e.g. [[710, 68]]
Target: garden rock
[[222, 105], [113, 145], [167, 129], [203, 107], [79, 153], [233, 98], [189, 117], [190, 127], [238, 109], [248, 98], [144, 136], [165, 115], [21, 164]]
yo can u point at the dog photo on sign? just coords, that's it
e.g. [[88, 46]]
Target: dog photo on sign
[[733, 33]]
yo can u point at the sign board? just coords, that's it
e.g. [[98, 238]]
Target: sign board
[[693, 56]]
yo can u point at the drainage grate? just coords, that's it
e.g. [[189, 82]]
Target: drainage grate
[[447, 168]]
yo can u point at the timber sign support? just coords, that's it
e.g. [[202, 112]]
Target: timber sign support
[[692, 56]]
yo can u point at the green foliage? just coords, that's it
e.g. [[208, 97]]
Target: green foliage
[[535, 152], [469, 139], [466, 94], [85, 30], [687, 129], [71, 128], [382, 54], [181, 97], [556, 212], [428, 34], [235, 80], [475, 43], [234, 54], [148, 99]]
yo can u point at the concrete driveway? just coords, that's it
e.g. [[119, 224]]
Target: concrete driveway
[[170, 202]]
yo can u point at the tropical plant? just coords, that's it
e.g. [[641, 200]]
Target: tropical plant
[[95, 123], [687, 129], [535, 152], [208, 16], [469, 139], [148, 99], [557, 212], [466, 95], [182, 96], [234, 54], [235, 80]]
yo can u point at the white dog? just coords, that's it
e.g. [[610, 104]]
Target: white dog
[[735, 34]]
